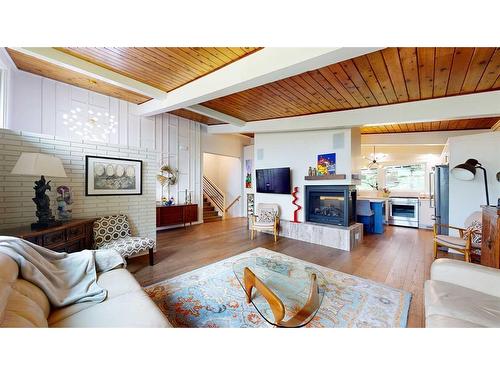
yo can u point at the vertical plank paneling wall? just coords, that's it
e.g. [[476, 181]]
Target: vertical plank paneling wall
[[39, 106]]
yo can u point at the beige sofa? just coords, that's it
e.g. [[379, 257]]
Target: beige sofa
[[462, 294], [22, 304]]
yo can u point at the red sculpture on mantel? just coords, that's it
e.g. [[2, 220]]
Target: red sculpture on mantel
[[295, 199]]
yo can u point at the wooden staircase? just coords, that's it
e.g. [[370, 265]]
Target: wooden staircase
[[209, 212]]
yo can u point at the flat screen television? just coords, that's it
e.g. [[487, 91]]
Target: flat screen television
[[274, 181]]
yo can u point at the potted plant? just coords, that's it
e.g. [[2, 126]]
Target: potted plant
[[386, 192]]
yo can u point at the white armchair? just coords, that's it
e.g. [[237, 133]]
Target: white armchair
[[266, 220], [462, 294]]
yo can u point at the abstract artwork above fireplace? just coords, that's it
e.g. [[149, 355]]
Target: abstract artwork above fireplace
[[331, 204]]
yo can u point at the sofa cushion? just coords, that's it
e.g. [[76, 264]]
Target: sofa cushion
[[22, 304], [441, 321], [457, 302], [134, 309]]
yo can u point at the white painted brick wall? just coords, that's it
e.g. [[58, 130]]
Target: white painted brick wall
[[17, 208]]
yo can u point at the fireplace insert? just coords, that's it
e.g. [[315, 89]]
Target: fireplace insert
[[331, 204]]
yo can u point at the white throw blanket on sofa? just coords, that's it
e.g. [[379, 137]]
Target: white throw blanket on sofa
[[65, 278]]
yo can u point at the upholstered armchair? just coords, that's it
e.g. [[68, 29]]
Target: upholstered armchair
[[113, 233], [469, 240], [266, 220]]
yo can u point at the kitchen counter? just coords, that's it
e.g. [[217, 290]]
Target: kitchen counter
[[381, 211]]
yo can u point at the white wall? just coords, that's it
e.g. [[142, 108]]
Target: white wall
[[225, 172], [38, 106], [299, 151], [467, 196], [224, 144]]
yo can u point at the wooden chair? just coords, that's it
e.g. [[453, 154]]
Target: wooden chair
[[462, 244], [266, 220]]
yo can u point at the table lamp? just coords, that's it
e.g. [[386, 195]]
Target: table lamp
[[467, 171], [36, 164]]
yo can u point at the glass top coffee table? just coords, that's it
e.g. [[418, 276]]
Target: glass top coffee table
[[285, 294]]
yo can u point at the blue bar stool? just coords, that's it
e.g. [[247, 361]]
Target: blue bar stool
[[365, 215]]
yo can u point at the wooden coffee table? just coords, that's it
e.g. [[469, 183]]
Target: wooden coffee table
[[285, 294]]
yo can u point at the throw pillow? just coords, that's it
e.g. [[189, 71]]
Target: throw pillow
[[266, 216], [475, 229]]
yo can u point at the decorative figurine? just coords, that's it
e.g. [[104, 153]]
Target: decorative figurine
[[294, 202], [64, 202], [42, 201], [315, 172], [168, 176], [310, 172]]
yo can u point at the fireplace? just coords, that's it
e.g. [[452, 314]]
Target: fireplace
[[331, 204]]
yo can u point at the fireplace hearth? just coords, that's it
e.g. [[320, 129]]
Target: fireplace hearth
[[331, 204]]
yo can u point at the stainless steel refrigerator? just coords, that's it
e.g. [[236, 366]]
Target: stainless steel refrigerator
[[439, 189]]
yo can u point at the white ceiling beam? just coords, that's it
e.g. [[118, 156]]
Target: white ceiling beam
[[261, 67], [486, 104], [67, 61], [202, 110], [434, 138]]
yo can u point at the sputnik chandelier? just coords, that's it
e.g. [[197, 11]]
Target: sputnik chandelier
[[91, 126]]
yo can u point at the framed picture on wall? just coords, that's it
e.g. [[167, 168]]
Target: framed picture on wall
[[112, 176]]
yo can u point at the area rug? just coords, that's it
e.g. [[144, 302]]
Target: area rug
[[211, 296]]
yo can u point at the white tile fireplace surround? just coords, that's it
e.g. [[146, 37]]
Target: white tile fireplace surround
[[342, 238]]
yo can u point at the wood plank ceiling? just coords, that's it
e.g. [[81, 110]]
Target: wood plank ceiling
[[392, 75], [45, 69], [479, 123], [163, 68]]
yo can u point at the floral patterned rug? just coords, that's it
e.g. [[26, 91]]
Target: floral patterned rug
[[211, 296]]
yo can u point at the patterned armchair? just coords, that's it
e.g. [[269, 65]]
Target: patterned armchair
[[266, 220], [113, 233]]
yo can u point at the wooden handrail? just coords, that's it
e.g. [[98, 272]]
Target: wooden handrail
[[233, 203]]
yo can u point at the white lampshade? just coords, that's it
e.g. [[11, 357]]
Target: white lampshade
[[35, 164]]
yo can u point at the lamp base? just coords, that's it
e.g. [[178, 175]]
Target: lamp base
[[46, 224]]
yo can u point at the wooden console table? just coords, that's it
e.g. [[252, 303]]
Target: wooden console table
[[176, 214], [71, 236]]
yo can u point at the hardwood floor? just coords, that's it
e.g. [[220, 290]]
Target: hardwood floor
[[401, 257]]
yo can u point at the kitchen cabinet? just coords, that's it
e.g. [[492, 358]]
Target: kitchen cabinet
[[425, 214]]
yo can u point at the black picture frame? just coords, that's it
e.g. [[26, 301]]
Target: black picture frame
[[91, 191]]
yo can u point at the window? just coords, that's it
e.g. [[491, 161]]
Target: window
[[405, 177], [368, 179]]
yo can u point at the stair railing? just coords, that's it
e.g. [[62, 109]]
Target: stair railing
[[215, 195], [232, 203]]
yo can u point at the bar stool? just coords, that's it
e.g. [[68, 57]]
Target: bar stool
[[365, 215]]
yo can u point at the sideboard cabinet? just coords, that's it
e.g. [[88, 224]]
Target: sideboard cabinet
[[490, 245], [71, 236], [176, 214]]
